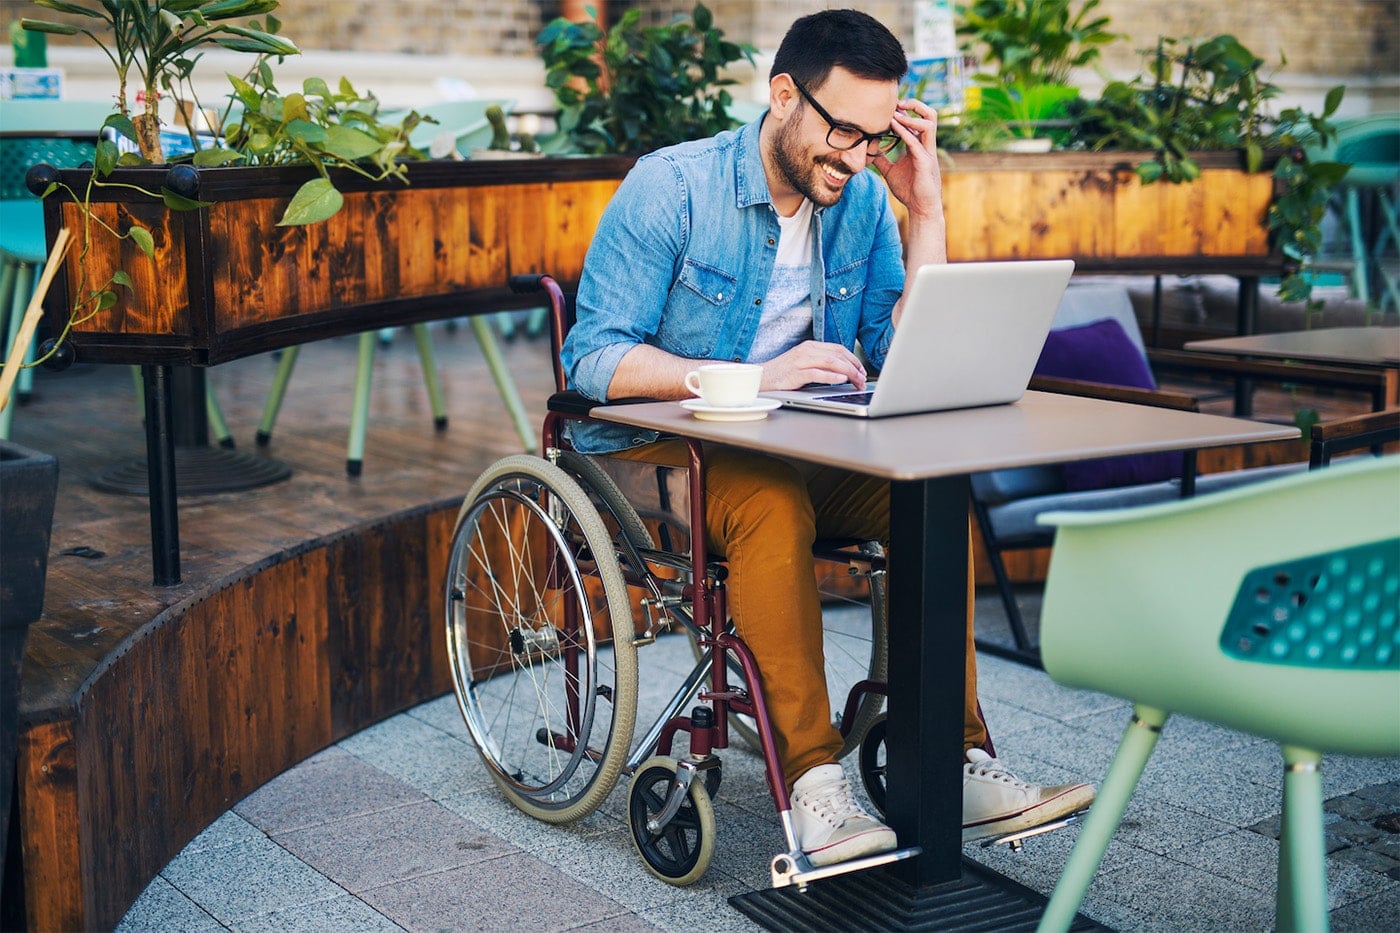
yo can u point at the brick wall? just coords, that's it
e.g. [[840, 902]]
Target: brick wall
[[1327, 37]]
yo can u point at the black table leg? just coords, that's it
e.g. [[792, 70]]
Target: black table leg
[[1245, 323], [160, 463], [924, 745]]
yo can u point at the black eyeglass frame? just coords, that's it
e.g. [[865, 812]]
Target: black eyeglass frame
[[884, 142]]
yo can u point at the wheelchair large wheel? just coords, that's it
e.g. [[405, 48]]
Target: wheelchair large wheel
[[855, 643], [539, 636], [680, 852]]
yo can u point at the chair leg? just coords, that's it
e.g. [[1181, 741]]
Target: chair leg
[[8, 327], [218, 426], [279, 392], [1391, 232], [359, 411], [431, 378], [1104, 817], [504, 383], [1025, 651], [1302, 867], [1359, 256], [24, 290]]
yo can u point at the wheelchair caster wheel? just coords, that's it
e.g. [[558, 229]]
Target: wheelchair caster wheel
[[872, 763], [679, 851]]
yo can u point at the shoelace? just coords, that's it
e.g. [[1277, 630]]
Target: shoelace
[[992, 768], [834, 805]]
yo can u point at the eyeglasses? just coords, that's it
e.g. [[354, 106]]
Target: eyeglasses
[[845, 136]]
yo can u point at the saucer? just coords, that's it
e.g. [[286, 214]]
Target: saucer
[[759, 409]]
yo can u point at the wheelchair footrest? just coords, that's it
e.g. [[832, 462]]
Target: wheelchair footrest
[[790, 868]]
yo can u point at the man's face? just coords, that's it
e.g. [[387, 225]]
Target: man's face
[[802, 152]]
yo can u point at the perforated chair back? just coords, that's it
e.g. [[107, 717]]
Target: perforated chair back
[[1271, 608]]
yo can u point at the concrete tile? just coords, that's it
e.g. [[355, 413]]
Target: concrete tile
[[512, 892], [443, 713], [393, 845], [332, 786], [228, 830], [489, 809], [1162, 894], [237, 882], [161, 908], [345, 914], [420, 755], [1369, 914]]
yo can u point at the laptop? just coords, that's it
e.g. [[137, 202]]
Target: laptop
[[970, 335]]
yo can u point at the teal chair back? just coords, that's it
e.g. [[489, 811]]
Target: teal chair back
[[1270, 608]]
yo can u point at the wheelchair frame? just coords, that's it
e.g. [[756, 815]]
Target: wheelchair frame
[[664, 793]]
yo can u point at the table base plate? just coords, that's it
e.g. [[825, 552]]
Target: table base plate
[[878, 900], [198, 471]]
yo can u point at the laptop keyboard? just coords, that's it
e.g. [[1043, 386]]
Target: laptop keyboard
[[851, 398]]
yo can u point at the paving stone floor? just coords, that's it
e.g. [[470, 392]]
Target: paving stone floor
[[399, 827]]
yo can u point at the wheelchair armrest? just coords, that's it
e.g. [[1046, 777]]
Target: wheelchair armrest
[[572, 402]]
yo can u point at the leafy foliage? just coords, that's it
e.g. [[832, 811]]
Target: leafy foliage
[[318, 126], [637, 88], [157, 38], [1033, 42], [1211, 96]]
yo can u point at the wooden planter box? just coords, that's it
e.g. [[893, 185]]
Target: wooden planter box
[[227, 282], [1091, 207]]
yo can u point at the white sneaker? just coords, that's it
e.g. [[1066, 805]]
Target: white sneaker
[[830, 825], [996, 802]]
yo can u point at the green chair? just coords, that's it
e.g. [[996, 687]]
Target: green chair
[[1371, 144], [1271, 609]]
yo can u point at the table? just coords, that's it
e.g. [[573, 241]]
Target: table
[[928, 459], [1363, 347], [1356, 346]]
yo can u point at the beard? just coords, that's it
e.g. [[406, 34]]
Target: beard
[[804, 172]]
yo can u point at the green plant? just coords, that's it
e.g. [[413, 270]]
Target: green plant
[[1033, 42], [1211, 96], [636, 88], [162, 40], [1025, 111]]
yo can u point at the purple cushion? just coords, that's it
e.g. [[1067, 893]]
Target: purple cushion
[[1103, 352]]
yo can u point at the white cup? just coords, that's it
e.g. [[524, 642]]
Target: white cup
[[726, 385]]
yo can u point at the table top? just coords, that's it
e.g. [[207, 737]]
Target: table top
[[1040, 428], [1370, 346]]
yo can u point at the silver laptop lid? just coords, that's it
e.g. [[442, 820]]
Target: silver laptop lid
[[970, 335]]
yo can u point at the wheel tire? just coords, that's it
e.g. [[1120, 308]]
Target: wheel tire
[[872, 763], [682, 850], [529, 542]]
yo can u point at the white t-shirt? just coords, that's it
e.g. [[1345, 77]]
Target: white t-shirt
[[787, 309]]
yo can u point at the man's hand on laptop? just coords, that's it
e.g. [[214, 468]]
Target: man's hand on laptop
[[813, 361]]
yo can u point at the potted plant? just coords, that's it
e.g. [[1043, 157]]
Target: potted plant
[[636, 88]]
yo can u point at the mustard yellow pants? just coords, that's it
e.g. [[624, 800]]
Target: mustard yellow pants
[[762, 515]]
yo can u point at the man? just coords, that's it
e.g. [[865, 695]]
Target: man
[[770, 244]]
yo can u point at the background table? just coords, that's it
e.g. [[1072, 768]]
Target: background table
[[928, 459], [1356, 347]]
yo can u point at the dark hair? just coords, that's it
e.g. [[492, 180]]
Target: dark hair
[[846, 39]]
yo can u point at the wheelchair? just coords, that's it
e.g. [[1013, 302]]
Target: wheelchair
[[555, 581]]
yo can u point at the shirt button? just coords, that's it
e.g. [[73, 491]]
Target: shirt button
[[719, 296], [738, 359], [758, 301], [843, 291], [771, 241]]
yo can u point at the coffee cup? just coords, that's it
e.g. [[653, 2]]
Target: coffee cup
[[726, 385]]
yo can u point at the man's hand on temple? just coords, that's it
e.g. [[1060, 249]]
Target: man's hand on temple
[[915, 178]]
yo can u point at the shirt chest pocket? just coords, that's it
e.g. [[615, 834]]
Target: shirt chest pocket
[[845, 289], [701, 301]]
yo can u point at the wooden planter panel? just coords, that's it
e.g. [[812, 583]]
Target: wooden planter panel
[[227, 281], [1091, 207]]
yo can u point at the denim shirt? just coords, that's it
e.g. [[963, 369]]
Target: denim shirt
[[682, 258]]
